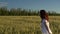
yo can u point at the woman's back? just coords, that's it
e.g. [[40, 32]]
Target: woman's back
[[44, 30]]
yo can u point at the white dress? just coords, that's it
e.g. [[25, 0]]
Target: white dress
[[43, 28]]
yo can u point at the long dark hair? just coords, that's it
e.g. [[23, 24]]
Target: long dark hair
[[44, 14]]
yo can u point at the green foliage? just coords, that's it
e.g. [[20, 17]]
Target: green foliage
[[16, 12], [22, 12]]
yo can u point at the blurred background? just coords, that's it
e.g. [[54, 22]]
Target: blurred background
[[22, 16]]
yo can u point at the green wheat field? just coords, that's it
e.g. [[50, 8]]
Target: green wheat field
[[27, 24]]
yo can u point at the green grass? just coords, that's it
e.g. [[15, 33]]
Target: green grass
[[26, 24]]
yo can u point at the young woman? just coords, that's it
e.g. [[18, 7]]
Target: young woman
[[45, 22]]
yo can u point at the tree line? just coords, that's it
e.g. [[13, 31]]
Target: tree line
[[21, 12]]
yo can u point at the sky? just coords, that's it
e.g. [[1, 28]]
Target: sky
[[48, 5]]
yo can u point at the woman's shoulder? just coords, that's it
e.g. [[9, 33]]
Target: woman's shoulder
[[44, 20]]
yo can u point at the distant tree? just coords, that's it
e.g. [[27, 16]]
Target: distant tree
[[4, 11], [22, 12], [19, 11]]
